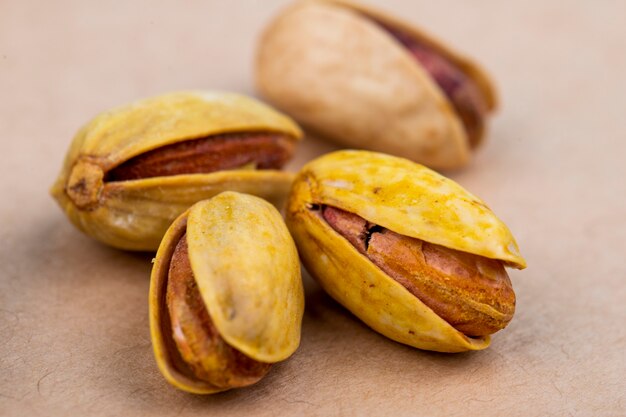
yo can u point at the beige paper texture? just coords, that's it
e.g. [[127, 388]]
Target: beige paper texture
[[74, 336]]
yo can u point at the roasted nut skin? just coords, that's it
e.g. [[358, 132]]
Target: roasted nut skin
[[132, 170], [203, 156], [335, 69], [472, 293], [223, 304], [412, 202]]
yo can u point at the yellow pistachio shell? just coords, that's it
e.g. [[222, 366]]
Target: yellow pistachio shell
[[135, 214], [408, 199], [411, 200], [328, 64], [248, 273]]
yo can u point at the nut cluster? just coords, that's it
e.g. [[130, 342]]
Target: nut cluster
[[198, 177]]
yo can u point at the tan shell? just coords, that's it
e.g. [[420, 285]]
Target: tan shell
[[408, 199], [336, 71], [248, 273], [135, 214]]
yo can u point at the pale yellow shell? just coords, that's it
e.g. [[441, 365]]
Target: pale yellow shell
[[135, 214], [248, 273], [406, 198], [328, 64]]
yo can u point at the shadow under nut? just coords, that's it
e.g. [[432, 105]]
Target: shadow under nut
[[470, 292], [205, 353]]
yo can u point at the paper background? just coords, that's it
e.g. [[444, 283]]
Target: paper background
[[73, 314]]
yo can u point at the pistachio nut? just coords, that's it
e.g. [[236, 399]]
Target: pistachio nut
[[132, 170], [226, 297], [371, 81], [408, 251]]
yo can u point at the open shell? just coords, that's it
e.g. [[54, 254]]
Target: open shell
[[246, 267], [332, 67], [408, 199], [134, 214]]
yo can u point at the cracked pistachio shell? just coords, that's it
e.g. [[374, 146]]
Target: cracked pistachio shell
[[408, 199], [135, 214], [334, 69], [246, 266]]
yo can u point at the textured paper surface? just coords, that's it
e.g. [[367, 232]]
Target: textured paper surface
[[73, 314]]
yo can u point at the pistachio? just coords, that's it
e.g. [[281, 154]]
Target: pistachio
[[400, 91], [223, 306], [408, 251], [131, 171]]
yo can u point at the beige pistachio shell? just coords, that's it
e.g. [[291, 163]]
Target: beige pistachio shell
[[248, 273], [135, 214], [469, 67], [408, 199], [328, 64]]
